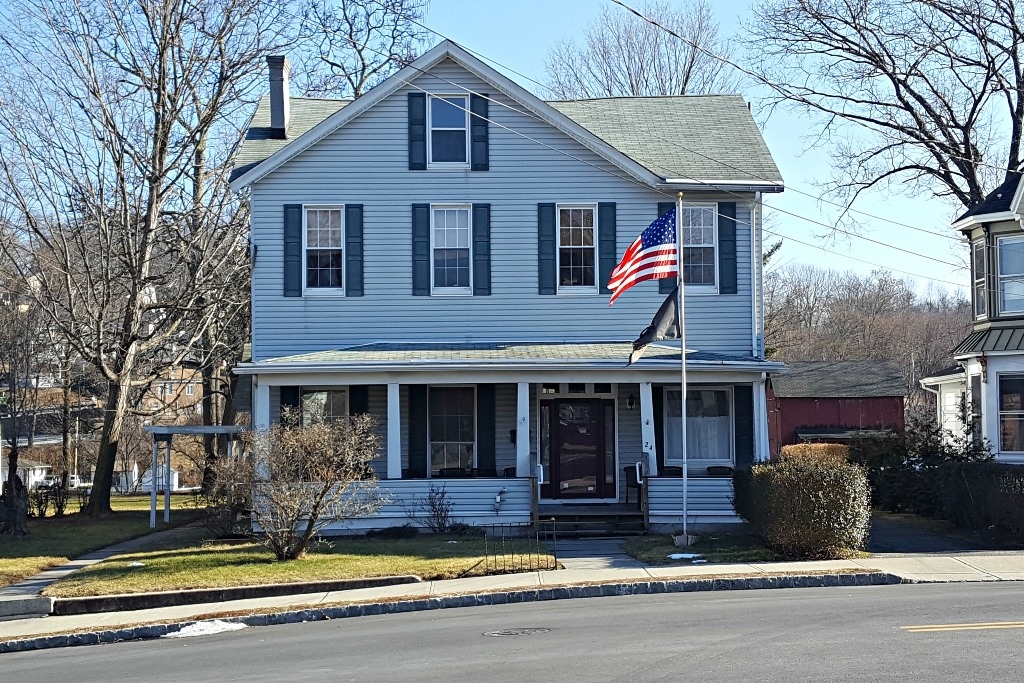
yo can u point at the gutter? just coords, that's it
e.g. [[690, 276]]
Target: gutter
[[275, 368]]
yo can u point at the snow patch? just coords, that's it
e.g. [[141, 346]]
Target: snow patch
[[206, 628], [684, 556]]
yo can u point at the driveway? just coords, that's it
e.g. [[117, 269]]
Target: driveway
[[909, 534]]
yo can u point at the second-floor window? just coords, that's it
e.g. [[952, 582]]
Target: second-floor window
[[1011, 275], [450, 239], [700, 245], [978, 275], [448, 121], [323, 240], [577, 249]]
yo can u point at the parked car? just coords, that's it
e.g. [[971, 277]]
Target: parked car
[[48, 482]]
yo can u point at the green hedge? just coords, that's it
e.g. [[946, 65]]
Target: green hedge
[[806, 508]]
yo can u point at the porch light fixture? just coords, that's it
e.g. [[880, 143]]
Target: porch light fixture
[[631, 402]]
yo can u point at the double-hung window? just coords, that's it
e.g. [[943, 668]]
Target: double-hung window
[[979, 279], [577, 249], [1011, 413], [322, 243], [700, 245], [448, 121], [1011, 275], [709, 437], [324, 405], [452, 425], [450, 239]]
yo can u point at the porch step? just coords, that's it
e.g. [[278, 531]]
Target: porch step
[[591, 526]]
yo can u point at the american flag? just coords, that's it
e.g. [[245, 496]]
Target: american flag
[[651, 256]]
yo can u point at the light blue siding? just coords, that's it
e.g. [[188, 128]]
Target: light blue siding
[[366, 162]]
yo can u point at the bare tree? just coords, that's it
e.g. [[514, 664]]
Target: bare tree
[[621, 55], [22, 358], [352, 45], [934, 88], [301, 478], [116, 132]]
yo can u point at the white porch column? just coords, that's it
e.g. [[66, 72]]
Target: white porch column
[[761, 446], [647, 427], [523, 429], [261, 407], [394, 433]]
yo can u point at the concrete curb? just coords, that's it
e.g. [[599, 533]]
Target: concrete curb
[[135, 601], [473, 600]]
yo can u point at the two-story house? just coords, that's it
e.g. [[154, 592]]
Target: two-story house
[[436, 253], [987, 387]]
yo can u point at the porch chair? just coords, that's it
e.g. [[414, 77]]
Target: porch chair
[[634, 480]]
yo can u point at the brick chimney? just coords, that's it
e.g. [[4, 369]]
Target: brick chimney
[[279, 106]]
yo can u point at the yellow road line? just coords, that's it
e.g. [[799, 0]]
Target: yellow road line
[[980, 626]]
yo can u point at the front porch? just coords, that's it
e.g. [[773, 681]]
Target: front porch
[[505, 437]]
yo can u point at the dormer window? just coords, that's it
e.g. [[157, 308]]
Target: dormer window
[[1011, 275], [448, 122]]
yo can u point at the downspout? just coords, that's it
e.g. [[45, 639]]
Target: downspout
[[756, 282], [938, 402]]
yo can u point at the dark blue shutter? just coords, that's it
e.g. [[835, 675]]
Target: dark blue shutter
[[547, 275], [666, 284], [658, 406], [727, 247], [293, 249], [478, 134], [606, 246], [417, 131], [743, 426], [353, 250], [291, 397], [485, 434], [358, 399], [481, 250], [421, 249], [417, 431]]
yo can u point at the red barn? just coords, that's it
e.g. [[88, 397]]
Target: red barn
[[834, 401]]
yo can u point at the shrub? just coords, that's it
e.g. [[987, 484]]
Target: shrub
[[833, 452], [979, 495], [807, 508], [394, 533]]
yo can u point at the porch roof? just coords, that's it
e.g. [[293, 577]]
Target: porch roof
[[423, 356]]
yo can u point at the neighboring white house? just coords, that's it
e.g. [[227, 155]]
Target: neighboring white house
[[132, 482], [30, 471], [949, 386], [436, 253], [992, 356]]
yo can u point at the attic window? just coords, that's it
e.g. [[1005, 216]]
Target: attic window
[[448, 120]]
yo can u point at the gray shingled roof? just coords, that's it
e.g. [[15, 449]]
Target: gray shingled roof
[[701, 137], [996, 339], [840, 379], [500, 352], [997, 201], [304, 113], [704, 137]]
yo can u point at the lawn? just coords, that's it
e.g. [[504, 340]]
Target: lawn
[[215, 564], [54, 541], [715, 548]]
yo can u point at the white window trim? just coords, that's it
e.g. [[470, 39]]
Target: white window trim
[[576, 290], [476, 425], [323, 291], [455, 165], [334, 387], [698, 465], [1000, 412], [704, 289], [451, 291], [974, 281], [190, 389], [1009, 239]]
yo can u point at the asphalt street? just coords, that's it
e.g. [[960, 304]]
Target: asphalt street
[[935, 633]]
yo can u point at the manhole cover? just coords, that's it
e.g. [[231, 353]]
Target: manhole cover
[[516, 632]]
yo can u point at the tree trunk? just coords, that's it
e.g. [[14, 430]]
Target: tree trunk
[[15, 521], [113, 423]]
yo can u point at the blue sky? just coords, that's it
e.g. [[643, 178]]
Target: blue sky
[[519, 34]]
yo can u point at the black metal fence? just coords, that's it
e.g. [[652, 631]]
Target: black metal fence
[[513, 547]]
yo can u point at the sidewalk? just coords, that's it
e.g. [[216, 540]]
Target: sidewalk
[[541, 585]]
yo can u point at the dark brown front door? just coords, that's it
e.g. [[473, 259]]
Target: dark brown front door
[[578, 453]]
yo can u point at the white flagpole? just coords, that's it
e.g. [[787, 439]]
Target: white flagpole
[[682, 354]]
